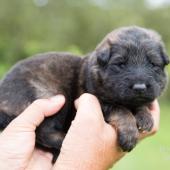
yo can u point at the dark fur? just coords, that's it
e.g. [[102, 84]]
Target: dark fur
[[126, 57]]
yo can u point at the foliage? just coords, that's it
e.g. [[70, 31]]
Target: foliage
[[69, 25], [60, 24]]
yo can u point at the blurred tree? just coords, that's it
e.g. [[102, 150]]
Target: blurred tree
[[34, 26]]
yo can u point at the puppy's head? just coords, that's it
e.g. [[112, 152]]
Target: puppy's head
[[128, 66]]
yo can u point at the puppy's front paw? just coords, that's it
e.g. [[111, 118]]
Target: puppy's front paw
[[128, 138], [125, 123], [144, 120]]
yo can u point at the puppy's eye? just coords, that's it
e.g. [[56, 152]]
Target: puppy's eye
[[156, 67], [152, 64], [117, 66], [120, 65]]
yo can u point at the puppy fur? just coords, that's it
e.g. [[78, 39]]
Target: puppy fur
[[125, 72]]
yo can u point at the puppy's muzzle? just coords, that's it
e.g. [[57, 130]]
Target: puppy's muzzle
[[139, 88]]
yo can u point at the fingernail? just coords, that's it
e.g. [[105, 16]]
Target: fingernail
[[58, 98]]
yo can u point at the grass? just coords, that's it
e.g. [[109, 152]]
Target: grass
[[152, 153]]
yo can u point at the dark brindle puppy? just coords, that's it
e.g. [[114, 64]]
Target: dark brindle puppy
[[125, 72]]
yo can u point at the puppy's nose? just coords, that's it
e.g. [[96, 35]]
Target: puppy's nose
[[139, 87]]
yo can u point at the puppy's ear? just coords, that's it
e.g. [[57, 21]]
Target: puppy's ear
[[103, 57], [165, 57]]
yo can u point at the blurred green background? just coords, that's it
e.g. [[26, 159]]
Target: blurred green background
[[34, 26]]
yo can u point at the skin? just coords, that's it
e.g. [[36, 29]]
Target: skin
[[89, 144]]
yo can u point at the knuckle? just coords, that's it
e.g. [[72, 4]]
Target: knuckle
[[39, 102], [90, 120], [38, 105]]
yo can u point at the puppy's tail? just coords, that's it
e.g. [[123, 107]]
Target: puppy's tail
[[5, 119]]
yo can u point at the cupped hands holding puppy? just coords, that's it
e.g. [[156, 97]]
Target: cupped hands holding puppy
[[90, 143]]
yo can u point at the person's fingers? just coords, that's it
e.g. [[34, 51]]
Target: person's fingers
[[88, 108], [37, 111], [94, 139], [40, 160], [155, 112]]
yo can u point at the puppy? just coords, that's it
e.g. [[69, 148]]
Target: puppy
[[125, 72]]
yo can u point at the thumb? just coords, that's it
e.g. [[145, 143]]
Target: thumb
[[88, 108], [36, 112]]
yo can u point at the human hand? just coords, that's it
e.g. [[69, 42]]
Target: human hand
[[91, 143], [85, 147], [17, 141]]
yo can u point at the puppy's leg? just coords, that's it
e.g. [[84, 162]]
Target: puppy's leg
[[144, 119], [51, 132], [49, 137], [124, 121]]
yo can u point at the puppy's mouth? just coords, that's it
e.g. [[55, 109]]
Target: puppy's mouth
[[134, 99], [143, 99], [139, 100]]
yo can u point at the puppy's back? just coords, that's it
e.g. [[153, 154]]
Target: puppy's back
[[40, 76]]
